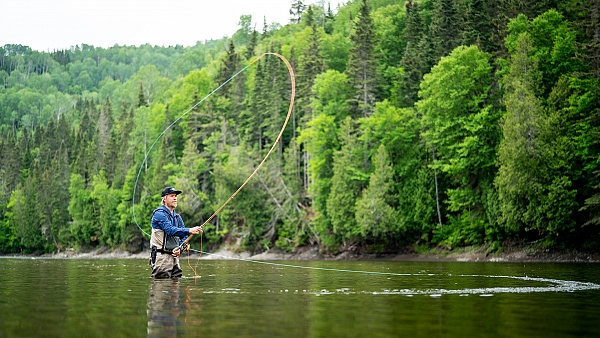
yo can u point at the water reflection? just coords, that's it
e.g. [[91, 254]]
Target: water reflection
[[168, 304]]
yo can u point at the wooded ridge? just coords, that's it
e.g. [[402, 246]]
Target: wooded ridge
[[432, 123]]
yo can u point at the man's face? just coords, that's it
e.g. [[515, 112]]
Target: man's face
[[171, 201]]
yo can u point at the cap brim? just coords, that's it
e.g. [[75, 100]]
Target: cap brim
[[176, 192]]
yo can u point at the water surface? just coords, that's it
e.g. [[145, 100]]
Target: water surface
[[117, 298]]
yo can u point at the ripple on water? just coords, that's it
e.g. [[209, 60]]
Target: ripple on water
[[548, 285]]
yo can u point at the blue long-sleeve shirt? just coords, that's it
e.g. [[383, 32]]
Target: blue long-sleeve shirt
[[170, 223]]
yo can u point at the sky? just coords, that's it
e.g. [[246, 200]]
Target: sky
[[47, 25]]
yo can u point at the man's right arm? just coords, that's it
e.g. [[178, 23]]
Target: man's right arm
[[161, 221]]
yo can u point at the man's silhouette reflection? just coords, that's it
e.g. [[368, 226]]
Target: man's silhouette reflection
[[163, 308]]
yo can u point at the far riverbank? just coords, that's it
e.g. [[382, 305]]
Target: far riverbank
[[469, 254]]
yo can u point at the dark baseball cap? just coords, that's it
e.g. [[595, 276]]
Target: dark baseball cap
[[170, 190]]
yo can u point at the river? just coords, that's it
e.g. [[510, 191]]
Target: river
[[232, 298]]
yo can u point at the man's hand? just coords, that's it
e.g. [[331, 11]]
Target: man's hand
[[176, 252], [195, 230]]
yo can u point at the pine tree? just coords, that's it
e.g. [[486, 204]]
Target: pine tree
[[104, 132], [411, 63], [309, 19], [518, 155], [251, 47], [362, 67], [375, 214], [296, 11], [346, 184], [510, 9], [329, 20], [142, 101], [445, 30], [26, 216], [589, 24], [265, 32], [124, 154], [310, 65], [478, 26], [58, 214], [164, 156]]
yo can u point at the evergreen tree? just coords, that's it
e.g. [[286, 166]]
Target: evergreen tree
[[251, 47], [362, 67], [296, 11], [478, 26], [124, 152], [445, 30], [59, 199], [346, 183], [411, 63], [165, 155], [142, 100], [265, 32], [310, 65], [329, 20], [518, 155], [309, 17], [510, 9], [375, 214], [81, 209], [589, 24], [26, 216]]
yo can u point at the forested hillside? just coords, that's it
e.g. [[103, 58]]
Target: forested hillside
[[421, 123]]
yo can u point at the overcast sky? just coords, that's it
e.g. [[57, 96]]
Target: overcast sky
[[45, 25]]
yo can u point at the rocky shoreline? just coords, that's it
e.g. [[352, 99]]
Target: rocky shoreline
[[312, 253]]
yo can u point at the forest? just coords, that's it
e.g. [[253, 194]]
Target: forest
[[417, 124]]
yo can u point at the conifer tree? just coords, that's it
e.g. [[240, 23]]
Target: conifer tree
[[362, 67], [165, 155], [26, 215], [296, 11], [124, 153], [103, 134], [329, 20], [411, 64], [478, 26], [251, 47], [57, 214], [590, 26], [518, 155], [310, 65], [375, 214], [445, 30], [265, 32], [142, 101], [346, 183]]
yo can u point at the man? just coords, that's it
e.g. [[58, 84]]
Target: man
[[168, 233]]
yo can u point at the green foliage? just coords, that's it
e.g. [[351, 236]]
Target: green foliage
[[460, 123], [398, 136], [346, 183], [375, 214], [84, 227]]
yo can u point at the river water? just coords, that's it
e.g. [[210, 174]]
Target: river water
[[229, 298]]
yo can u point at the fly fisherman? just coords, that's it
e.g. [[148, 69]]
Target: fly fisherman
[[168, 234]]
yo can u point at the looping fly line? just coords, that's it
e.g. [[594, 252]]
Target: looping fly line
[[277, 140]]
